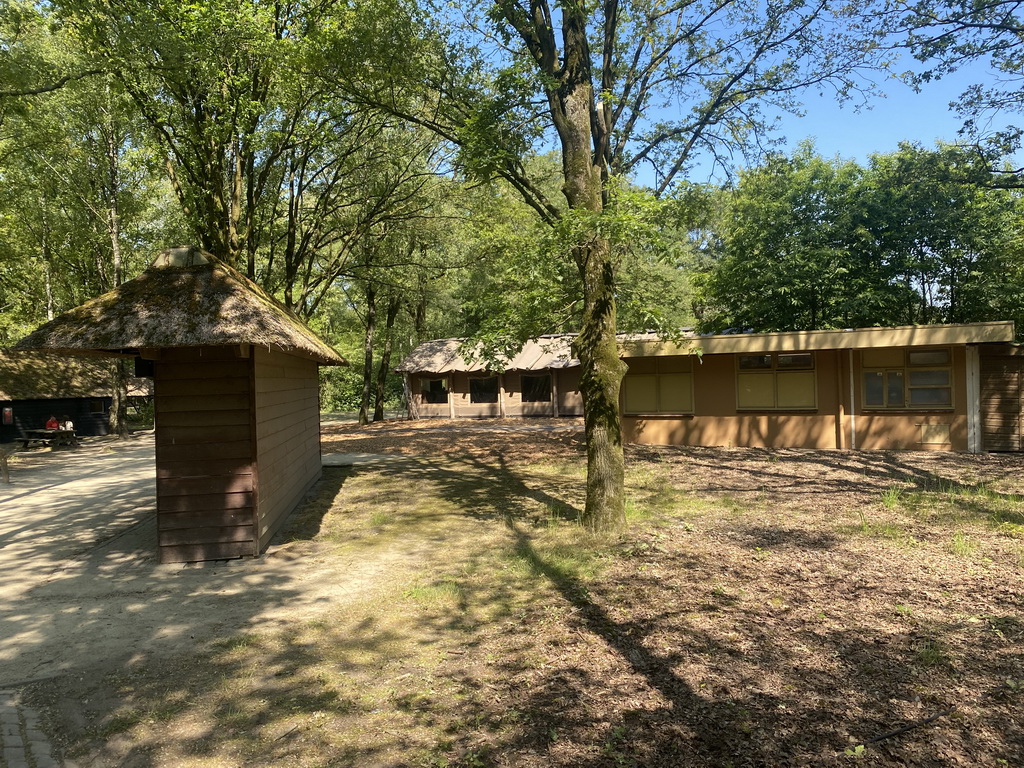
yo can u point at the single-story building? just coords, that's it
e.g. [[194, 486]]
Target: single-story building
[[931, 387], [543, 379], [37, 385], [236, 397]]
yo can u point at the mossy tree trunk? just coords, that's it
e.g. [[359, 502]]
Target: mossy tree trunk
[[584, 141]]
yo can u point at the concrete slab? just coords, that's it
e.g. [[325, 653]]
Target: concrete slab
[[352, 459]]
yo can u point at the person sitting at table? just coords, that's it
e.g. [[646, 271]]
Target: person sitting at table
[[66, 424], [52, 423]]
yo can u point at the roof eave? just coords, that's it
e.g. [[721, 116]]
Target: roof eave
[[810, 341]]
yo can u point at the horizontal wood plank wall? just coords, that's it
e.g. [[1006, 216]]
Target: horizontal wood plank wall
[[204, 455], [1002, 398], [287, 435]]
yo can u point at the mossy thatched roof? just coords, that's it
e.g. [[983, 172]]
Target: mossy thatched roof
[[186, 298], [445, 355], [52, 376]]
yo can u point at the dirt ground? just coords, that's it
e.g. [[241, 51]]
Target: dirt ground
[[764, 608]]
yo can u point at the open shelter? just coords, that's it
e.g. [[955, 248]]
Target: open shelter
[[37, 385], [236, 397]]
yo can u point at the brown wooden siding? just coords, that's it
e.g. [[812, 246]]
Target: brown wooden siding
[[1002, 406], [204, 455], [287, 434]]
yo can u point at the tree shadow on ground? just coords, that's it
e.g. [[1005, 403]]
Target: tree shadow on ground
[[649, 684], [675, 656]]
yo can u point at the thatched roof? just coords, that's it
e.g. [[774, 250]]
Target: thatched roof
[[186, 298], [443, 356], [51, 376]]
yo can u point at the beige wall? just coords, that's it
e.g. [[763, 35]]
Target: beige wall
[[287, 435], [716, 420], [915, 429]]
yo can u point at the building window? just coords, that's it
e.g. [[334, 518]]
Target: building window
[[536, 389], [658, 385], [434, 391], [897, 378], [782, 381], [97, 406], [483, 389]]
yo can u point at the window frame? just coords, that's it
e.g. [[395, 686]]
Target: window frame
[[522, 387], [905, 372], [663, 371], [477, 380], [776, 373]]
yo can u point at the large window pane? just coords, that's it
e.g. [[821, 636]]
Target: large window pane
[[483, 389], [936, 396], [434, 391], [894, 389], [641, 394], [874, 389], [536, 389], [755, 390], [674, 393], [795, 389], [938, 378]]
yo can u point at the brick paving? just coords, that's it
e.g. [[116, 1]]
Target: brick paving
[[24, 743]]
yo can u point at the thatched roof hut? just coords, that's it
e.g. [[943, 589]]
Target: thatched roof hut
[[186, 298], [540, 379], [37, 385], [236, 397], [52, 375]]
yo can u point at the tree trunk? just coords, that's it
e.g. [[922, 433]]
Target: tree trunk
[[118, 417], [385, 359], [371, 323], [601, 370]]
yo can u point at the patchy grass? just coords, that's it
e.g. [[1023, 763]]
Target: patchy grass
[[763, 609]]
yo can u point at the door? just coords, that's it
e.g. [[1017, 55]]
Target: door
[[1001, 405]]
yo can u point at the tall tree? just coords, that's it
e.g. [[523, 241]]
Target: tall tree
[[948, 35], [622, 84], [916, 236]]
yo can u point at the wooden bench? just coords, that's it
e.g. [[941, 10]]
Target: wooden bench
[[55, 438]]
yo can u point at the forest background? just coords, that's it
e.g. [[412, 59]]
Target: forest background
[[393, 172]]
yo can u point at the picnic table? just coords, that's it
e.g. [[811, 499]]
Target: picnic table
[[55, 438]]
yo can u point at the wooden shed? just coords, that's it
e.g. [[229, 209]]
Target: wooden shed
[[236, 392], [542, 379]]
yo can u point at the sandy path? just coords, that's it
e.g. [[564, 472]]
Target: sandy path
[[81, 587]]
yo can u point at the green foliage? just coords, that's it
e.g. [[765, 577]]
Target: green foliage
[[949, 35], [917, 236]]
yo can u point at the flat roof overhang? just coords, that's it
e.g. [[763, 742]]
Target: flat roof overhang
[[810, 341]]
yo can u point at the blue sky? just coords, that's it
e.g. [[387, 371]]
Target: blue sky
[[924, 117]]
